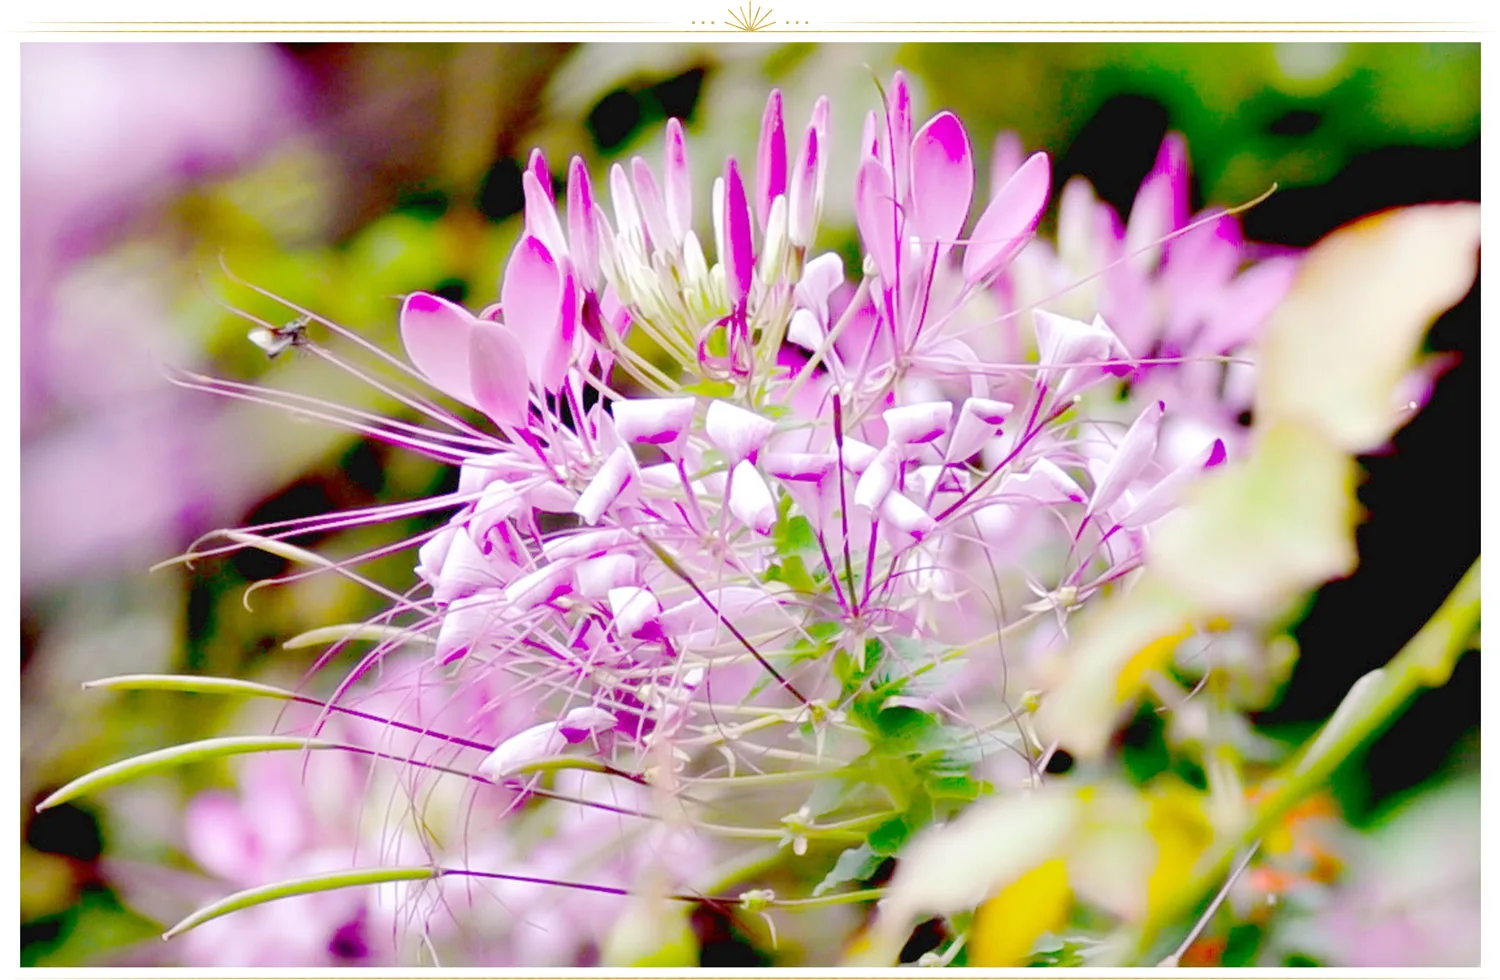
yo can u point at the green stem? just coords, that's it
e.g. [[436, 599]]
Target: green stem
[[1426, 661]]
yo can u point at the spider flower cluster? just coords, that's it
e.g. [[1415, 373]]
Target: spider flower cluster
[[756, 561]]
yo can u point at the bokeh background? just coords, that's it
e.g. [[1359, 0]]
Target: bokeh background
[[343, 176]]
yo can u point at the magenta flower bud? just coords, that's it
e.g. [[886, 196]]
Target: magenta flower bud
[[739, 254], [536, 165], [679, 182], [806, 192], [652, 209], [582, 234], [899, 122], [770, 159]]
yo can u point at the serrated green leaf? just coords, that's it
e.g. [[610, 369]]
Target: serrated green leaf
[[179, 755], [855, 864], [311, 884]]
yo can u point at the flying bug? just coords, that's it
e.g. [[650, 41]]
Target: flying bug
[[275, 340]]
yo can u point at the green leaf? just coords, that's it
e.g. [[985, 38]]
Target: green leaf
[[887, 839], [252, 897], [855, 864], [794, 536], [179, 755]]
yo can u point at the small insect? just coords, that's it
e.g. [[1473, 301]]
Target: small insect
[[275, 340]]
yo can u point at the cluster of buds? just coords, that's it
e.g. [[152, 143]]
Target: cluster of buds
[[750, 565]]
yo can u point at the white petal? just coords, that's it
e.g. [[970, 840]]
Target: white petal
[[735, 432]]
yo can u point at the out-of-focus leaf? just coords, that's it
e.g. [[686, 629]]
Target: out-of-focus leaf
[[1263, 530], [1337, 349], [1008, 925], [855, 864], [955, 867], [651, 935]]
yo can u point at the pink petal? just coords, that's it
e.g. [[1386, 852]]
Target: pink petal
[[806, 467], [545, 584], [1005, 160], [734, 431], [1132, 456], [532, 295], [804, 193], [536, 165], [1009, 221], [878, 479], [627, 218], [220, 839], [978, 420], [606, 486], [942, 179], [750, 499], [906, 515], [875, 214], [912, 425], [1161, 498], [770, 159], [633, 608], [652, 208], [541, 215], [739, 257], [679, 182], [899, 120], [435, 334], [582, 232], [597, 577], [664, 422], [497, 374]]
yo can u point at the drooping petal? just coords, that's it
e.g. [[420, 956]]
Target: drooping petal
[[597, 577], [634, 609], [606, 486], [750, 498], [497, 374], [1072, 352], [739, 254], [878, 479], [734, 431], [942, 179], [1132, 456], [679, 181], [875, 214], [912, 425], [1161, 498], [545, 584], [978, 420], [770, 159], [803, 467], [1043, 483], [664, 422], [1010, 219], [435, 333], [906, 515]]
